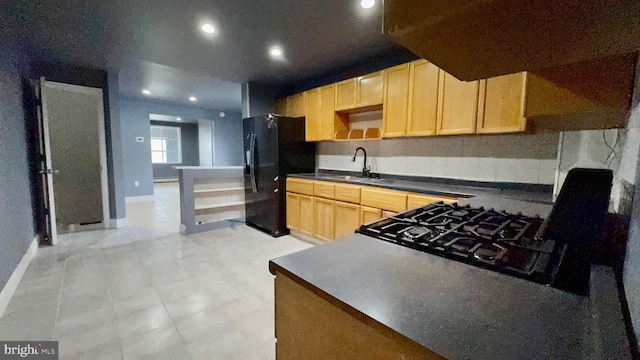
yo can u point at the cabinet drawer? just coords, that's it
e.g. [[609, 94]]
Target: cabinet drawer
[[415, 201], [300, 186], [323, 189], [347, 193], [384, 199]]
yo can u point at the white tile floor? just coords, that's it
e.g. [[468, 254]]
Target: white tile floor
[[147, 292]]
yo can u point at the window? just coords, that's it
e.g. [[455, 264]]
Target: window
[[166, 145]]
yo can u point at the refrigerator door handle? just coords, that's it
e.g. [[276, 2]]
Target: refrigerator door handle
[[252, 166]]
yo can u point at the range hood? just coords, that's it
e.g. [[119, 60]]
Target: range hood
[[479, 39]]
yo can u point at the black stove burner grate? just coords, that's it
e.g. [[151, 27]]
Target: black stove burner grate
[[483, 237]]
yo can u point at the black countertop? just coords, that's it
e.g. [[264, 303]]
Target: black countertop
[[457, 310], [530, 200]]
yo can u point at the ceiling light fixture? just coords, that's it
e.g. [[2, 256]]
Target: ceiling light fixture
[[222, 114], [275, 51], [208, 28], [367, 4], [146, 92], [193, 99], [179, 119]]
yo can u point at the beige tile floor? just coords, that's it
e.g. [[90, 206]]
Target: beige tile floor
[[147, 292]]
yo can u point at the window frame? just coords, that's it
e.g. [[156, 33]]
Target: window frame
[[164, 150]]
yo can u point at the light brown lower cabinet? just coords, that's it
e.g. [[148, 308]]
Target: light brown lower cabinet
[[306, 215], [293, 211], [369, 214], [311, 327], [323, 219], [346, 219]]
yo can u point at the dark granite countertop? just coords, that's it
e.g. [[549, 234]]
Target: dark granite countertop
[[456, 310], [529, 199]]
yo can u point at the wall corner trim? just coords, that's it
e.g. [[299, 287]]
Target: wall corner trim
[[134, 199], [118, 223], [14, 280]]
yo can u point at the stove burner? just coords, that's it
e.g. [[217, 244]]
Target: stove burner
[[415, 232], [489, 252], [462, 246]]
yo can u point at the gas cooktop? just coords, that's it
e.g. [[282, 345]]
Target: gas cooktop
[[495, 240]]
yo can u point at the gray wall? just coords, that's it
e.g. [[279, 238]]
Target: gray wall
[[134, 117], [16, 222], [631, 274], [228, 140], [190, 151], [632, 263]]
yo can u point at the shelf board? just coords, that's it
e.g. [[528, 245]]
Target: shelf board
[[202, 191], [219, 205]]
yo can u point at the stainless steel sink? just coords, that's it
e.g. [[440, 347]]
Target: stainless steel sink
[[359, 179]]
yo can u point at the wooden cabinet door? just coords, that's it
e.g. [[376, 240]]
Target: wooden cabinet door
[[282, 107], [296, 105], [396, 100], [424, 83], [306, 215], [323, 219], [458, 109], [346, 219], [370, 89], [502, 104], [293, 211], [313, 115], [369, 214], [345, 95], [329, 122]]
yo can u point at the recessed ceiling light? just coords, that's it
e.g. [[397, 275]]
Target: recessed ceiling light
[[222, 114], [146, 92], [208, 28], [193, 99], [179, 119], [275, 51], [367, 4]]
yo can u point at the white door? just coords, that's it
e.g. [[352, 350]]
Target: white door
[[75, 153]]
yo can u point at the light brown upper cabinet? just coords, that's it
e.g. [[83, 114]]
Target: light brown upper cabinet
[[282, 106], [330, 122], [458, 106], [396, 94], [313, 114], [346, 97], [369, 89], [424, 84], [296, 105], [502, 106]]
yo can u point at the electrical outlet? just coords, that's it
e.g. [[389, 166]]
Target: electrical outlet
[[136, 183]]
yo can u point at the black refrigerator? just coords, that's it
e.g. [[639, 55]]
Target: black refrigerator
[[274, 147]]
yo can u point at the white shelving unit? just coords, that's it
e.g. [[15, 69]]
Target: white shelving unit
[[210, 197]]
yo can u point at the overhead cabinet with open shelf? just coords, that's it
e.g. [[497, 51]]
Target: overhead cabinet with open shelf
[[419, 99]]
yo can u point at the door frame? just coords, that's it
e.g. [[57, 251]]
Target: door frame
[[104, 178]]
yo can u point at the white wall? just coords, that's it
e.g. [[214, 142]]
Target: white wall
[[519, 158], [205, 139]]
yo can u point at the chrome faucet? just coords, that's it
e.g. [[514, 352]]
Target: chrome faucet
[[365, 171]]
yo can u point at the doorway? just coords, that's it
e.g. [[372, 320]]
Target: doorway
[[75, 166]]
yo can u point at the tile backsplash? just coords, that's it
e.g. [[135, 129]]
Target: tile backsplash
[[521, 158]]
